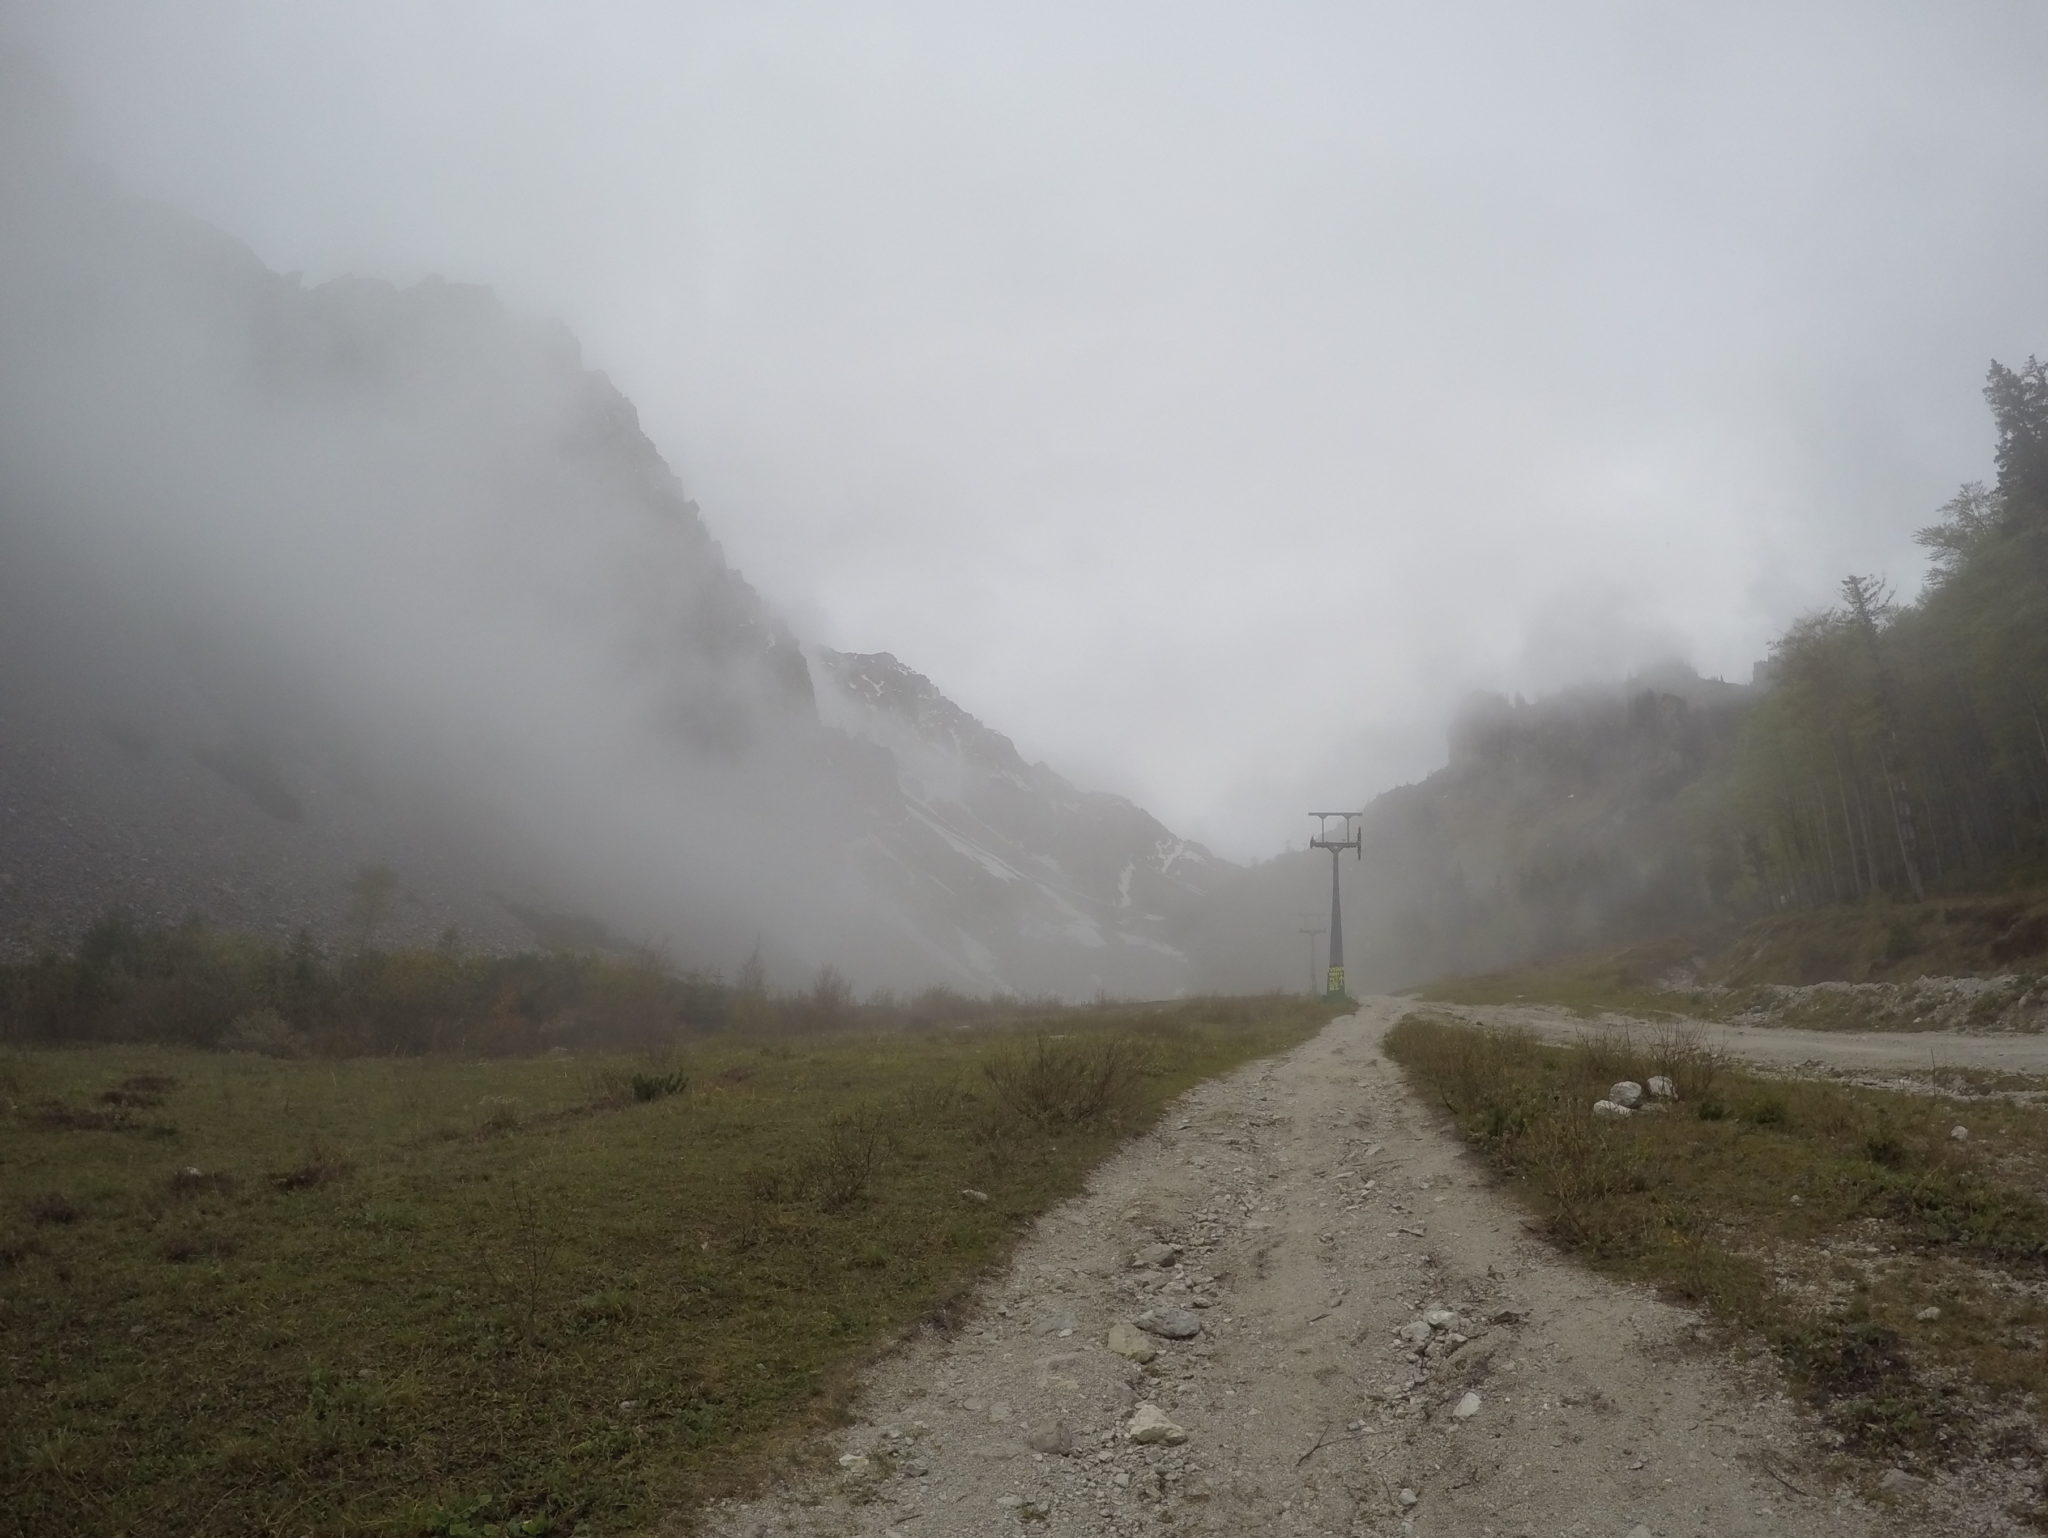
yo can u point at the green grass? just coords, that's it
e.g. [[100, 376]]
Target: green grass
[[560, 1293], [1820, 1216]]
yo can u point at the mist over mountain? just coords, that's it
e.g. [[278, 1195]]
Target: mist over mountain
[[1556, 824], [302, 582]]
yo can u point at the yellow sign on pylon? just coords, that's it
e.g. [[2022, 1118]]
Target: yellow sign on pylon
[[1335, 990]]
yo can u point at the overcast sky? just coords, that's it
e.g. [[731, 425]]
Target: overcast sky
[[1207, 395]]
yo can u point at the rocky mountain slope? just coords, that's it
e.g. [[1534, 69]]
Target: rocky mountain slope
[[974, 829], [302, 585]]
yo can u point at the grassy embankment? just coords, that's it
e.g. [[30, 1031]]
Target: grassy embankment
[[1742, 972], [531, 1294], [1822, 1218]]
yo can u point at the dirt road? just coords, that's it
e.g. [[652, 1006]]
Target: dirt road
[[2012, 1053], [1316, 1210]]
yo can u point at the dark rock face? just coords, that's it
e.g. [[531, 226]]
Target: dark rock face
[[299, 582]]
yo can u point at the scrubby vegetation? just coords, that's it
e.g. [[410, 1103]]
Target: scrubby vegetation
[[1898, 1270], [194, 985], [550, 1293], [1753, 971]]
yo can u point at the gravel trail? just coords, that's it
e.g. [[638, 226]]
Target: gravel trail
[[1786, 1047], [1316, 1210]]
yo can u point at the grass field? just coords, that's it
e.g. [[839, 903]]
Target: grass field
[[1826, 1219], [544, 1294]]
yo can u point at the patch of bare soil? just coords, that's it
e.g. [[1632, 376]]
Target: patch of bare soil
[[1382, 1349]]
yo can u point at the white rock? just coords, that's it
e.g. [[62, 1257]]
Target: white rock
[[1415, 1332], [1173, 1323], [1662, 1088], [1149, 1426], [1054, 1440], [1960, 1134], [1627, 1092], [1928, 1314], [1609, 1108], [1159, 1255], [1127, 1341], [855, 1466], [1467, 1407], [1439, 1318], [974, 1196], [1408, 1497]]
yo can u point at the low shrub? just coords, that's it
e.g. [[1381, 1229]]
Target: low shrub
[[658, 1086], [1068, 1081], [54, 1207]]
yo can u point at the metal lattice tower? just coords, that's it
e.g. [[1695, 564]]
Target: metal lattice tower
[[1352, 840]]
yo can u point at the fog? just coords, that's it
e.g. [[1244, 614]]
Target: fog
[[1207, 397], [1211, 400]]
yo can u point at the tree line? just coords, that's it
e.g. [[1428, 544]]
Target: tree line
[[1904, 746]]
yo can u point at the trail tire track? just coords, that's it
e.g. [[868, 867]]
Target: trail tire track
[[1317, 1209]]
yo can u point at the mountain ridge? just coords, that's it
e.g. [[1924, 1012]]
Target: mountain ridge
[[303, 581]]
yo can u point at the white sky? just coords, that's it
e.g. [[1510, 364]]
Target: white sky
[[1208, 395]]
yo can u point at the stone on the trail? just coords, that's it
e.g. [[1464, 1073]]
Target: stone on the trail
[[1035, 1511], [1610, 1108], [1440, 1318], [1627, 1092], [1159, 1255], [999, 1412], [969, 1194], [1662, 1088], [1173, 1323], [1149, 1426], [1128, 1342], [1960, 1134], [1056, 1438], [1467, 1407], [855, 1466], [1416, 1332], [1408, 1497], [1928, 1314], [1056, 1320], [1898, 1481]]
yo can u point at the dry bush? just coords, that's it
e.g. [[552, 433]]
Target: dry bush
[[497, 1113], [54, 1207], [318, 1168], [188, 1244], [1068, 1081], [840, 1166], [1682, 1055], [1583, 1168], [1606, 1056], [188, 1182], [62, 1116]]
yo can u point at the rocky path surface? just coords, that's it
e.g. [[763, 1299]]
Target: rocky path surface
[[1378, 1347], [1787, 1047]]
